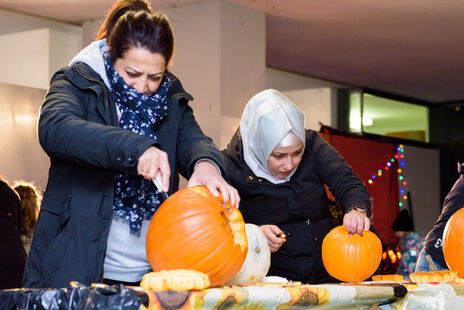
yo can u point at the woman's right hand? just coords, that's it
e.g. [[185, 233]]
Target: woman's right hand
[[275, 236], [153, 162]]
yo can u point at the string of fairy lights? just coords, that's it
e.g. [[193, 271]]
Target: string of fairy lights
[[399, 158], [394, 254]]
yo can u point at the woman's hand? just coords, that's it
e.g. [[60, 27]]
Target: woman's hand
[[356, 221], [207, 174], [153, 162], [275, 236]]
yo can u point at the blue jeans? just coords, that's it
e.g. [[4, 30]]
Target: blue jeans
[[423, 265]]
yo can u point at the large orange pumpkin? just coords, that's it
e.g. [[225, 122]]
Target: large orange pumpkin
[[193, 230], [351, 258], [453, 242]]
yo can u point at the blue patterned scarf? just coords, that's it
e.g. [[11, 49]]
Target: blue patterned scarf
[[137, 199]]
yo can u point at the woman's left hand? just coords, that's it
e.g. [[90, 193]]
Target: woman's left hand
[[356, 221], [207, 174]]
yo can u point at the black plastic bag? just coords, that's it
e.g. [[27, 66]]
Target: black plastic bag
[[76, 297]]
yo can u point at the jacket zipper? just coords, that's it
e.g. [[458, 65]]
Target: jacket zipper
[[107, 104]]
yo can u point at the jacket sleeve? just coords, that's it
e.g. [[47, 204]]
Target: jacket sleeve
[[66, 135], [335, 172], [192, 143], [454, 201]]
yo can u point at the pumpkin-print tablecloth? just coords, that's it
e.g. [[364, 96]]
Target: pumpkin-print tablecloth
[[327, 296]]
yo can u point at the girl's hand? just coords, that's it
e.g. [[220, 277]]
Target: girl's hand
[[207, 174], [356, 221], [275, 236]]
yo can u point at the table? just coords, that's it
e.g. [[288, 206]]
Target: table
[[365, 295]]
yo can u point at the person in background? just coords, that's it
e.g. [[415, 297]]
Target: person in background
[[280, 169], [12, 254], [30, 205], [410, 242], [114, 120], [433, 244]]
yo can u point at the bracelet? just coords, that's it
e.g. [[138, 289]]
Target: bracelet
[[360, 210]]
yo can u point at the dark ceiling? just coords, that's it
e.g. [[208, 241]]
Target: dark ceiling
[[413, 49]]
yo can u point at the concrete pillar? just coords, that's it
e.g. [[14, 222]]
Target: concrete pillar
[[220, 58]]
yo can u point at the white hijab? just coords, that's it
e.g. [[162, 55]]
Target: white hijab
[[267, 121]]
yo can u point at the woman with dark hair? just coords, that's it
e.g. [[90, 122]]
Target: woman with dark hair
[[279, 169], [120, 8], [112, 122], [13, 256]]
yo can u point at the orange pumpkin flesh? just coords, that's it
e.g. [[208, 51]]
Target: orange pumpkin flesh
[[351, 258], [388, 277], [453, 242], [192, 230]]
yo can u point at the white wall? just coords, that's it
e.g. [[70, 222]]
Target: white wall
[[32, 50], [22, 157], [47, 51], [317, 98], [89, 30], [243, 66], [422, 174], [197, 60], [63, 47], [11, 22], [319, 106], [284, 81], [25, 66]]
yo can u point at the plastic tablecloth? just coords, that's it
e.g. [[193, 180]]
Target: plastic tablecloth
[[431, 296], [325, 296], [74, 297], [366, 295], [273, 296]]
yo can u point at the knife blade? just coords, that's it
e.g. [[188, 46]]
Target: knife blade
[[159, 186]]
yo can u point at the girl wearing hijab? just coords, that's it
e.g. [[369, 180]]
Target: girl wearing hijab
[[279, 170]]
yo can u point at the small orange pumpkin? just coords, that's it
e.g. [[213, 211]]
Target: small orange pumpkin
[[453, 242], [193, 230], [351, 258]]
